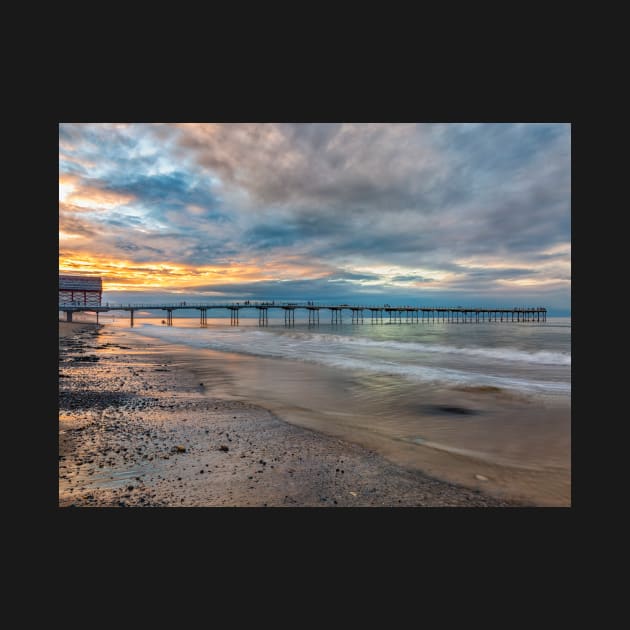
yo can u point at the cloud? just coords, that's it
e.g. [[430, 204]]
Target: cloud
[[463, 208], [329, 165]]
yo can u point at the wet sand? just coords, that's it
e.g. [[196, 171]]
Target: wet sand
[[136, 431], [482, 438]]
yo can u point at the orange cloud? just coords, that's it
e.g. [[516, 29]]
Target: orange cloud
[[122, 275]]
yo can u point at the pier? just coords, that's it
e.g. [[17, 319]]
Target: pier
[[384, 314]]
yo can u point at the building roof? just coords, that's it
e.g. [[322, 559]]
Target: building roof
[[80, 283]]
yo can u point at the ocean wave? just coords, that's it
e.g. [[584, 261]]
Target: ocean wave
[[542, 357], [329, 350]]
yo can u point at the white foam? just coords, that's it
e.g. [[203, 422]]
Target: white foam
[[504, 354], [345, 353]]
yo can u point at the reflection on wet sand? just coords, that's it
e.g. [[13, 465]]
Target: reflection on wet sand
[[481, 437]]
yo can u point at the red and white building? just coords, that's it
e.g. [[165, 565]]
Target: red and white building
[[80, 290]]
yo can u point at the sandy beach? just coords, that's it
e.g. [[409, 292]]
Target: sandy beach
[[134, 430]]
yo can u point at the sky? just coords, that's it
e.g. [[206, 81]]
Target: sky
[[424, 214]]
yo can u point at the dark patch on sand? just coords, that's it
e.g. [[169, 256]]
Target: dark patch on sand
[[91, 399], [450, 409]]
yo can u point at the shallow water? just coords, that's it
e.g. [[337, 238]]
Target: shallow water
[[455, 400]]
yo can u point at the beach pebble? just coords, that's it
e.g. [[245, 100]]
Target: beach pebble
[[481, 478], [224, 448]]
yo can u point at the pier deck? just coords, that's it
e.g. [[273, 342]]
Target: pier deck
[[378, 314]]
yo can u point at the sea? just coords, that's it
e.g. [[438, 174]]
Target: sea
[[486, 405]]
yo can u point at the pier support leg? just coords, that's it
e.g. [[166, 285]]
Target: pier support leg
[[68, 316], [131, 317]]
